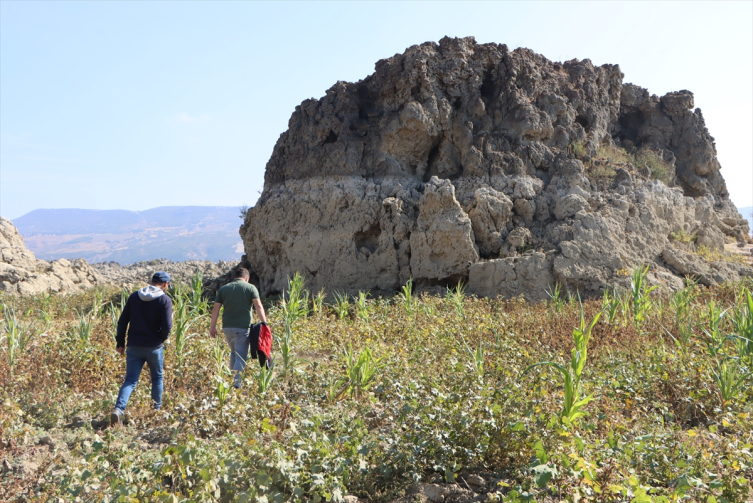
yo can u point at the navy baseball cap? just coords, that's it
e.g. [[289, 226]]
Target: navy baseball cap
[[161, 277]]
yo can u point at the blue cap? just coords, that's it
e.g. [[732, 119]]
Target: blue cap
[[161, 277]]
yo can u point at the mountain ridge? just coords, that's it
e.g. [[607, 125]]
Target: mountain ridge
[[176, 233]]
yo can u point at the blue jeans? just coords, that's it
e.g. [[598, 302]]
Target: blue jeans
[[135, 359], [237, 340]]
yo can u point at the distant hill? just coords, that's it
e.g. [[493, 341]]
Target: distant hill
[[172, 232], [747, 213]]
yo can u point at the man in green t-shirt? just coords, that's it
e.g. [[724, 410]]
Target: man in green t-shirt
[[237, 297]]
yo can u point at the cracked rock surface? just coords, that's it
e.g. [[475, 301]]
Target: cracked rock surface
[[457, 161]]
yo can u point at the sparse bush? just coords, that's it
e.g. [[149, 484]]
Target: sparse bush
[[710, 255], [683, 236], [660, 170], [578, 149]]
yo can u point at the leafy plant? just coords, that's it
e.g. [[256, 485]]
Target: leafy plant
[[294, 308], [456, 297], [83, 329], [407, 296], [222, 388], [610, 305], [730, 378], [682, 236], [713, 334], [572, 408], [681, 301], [362, 308], [360, 373], [640, 295], [181, 325], [555, 297], [264, 379], [342, 305], [477, 358], [15, 341], [742, 323], [196, 299], [318, 301]]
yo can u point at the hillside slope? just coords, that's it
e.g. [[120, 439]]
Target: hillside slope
[[173, 232]]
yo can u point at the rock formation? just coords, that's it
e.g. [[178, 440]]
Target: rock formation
[[468, 162], [21, 273]]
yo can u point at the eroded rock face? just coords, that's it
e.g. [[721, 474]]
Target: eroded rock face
[[454, 161]]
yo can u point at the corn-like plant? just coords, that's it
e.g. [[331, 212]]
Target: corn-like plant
[[13, 336], [219, 355], [116, 309], [456, 297], [477, 358], [640, 295], [555, 297], [98, 304], [181, 325], [196, 295], [222, 388], [572, 408], [407, 296], [115, 313], [44, 309], [730, 378], [360, 374], [318, 302], [362, 308], [610, 305], [294, 307], [264, 379], [342, 305], [742, 323], [83, 329], [714, 335]]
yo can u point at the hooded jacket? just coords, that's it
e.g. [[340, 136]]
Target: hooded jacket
[[149, 312]]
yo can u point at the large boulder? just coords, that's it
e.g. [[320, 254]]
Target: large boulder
[[460, 161]]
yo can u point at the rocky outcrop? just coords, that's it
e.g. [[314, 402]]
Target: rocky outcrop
[[140, 273], [468, 162], [21, 273]]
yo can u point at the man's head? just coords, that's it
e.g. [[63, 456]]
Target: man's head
[[161, 280], [242, 273]]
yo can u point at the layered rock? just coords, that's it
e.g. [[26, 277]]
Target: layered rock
[[457, 162]]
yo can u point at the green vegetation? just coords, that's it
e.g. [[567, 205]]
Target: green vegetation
[[640, 158], [651, 400], [578, 149], [682, 236], [710, 255]]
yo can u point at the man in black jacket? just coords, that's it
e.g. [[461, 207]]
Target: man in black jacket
[[150, 315]]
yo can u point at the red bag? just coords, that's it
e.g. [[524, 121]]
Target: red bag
[[265, 341]]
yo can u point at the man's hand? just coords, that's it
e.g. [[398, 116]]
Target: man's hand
[[213, 321], [120, 350]]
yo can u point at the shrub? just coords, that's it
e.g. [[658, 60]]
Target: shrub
[[710, 255], [682, 236], [578, 149]]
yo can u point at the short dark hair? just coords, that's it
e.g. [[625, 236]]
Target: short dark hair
[[242, 273]]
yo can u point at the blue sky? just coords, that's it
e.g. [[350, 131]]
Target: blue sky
[[134, 105]]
